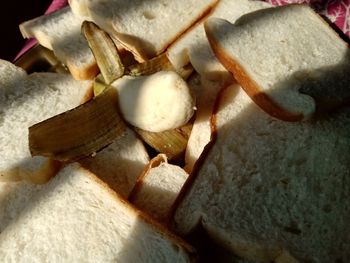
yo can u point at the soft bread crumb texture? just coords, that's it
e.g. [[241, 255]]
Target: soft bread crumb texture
[[269, 185], [284, 52], [147, 27], [61, 32], [14, 196], [160, 187], [10, 83], [120, 163], [75, 218], [38, 97], [193, 46], [205, 92]]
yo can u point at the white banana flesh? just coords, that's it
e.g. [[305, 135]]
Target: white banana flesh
[[155, 103]]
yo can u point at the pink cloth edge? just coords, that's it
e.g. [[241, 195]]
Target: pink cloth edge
[[54, 6]]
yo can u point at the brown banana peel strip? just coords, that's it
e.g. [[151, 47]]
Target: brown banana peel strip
[[172, 143], [151, 66], [79, 132], [156, 64], [104, 50], [99, 85]]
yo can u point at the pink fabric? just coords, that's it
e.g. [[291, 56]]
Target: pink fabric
[[337, 11], [55, 5]]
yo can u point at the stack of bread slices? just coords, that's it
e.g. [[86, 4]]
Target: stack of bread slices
[[265, 176]]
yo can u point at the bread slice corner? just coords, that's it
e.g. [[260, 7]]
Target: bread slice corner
[[157, 188], [79, 217], [60, 31], [286, 58]]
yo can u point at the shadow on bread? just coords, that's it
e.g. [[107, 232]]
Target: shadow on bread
[[120, 178], [298, 76], [282, 184], [328, 86], [107, 13], [136, 238]]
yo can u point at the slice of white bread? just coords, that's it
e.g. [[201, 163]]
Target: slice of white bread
[[11, 77], [120, 163], [76, 218], [38, 97], [287, 59], [61, 32], [79, 8], [269, 187], [205, 92], [14, 196], [158, 187], [146, 28], [193, 46]]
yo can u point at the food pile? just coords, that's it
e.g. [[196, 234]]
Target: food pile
[[177, 131]]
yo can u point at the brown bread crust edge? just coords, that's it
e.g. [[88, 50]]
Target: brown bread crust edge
[[248, 84]]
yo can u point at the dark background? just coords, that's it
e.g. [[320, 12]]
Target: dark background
[[12, 13]]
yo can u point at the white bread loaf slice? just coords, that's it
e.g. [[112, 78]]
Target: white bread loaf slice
[[14, 196], [79, 8], [76, 218], [270, 189], [39, 96], [158, 187], [287, 59], [193, 46], [11, 77], [61, 32], [205, 92], [120, 163], [146, 28]]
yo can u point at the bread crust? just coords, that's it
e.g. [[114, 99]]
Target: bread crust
[[260, 251], [153, 223], [89, 95], [141, 54], [155, 162], [89, 72], [40, 176], [198, 164], [248, 84], [44, 173]]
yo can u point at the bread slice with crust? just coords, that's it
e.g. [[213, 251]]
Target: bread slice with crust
[[287, 59], [77, 218], [119, 164], [14, 196], [270, 189], [79, 8], [10, 81], [146, 28], [61, 32], [158, 187], [193, 46], [24, 103], [205, 92]]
